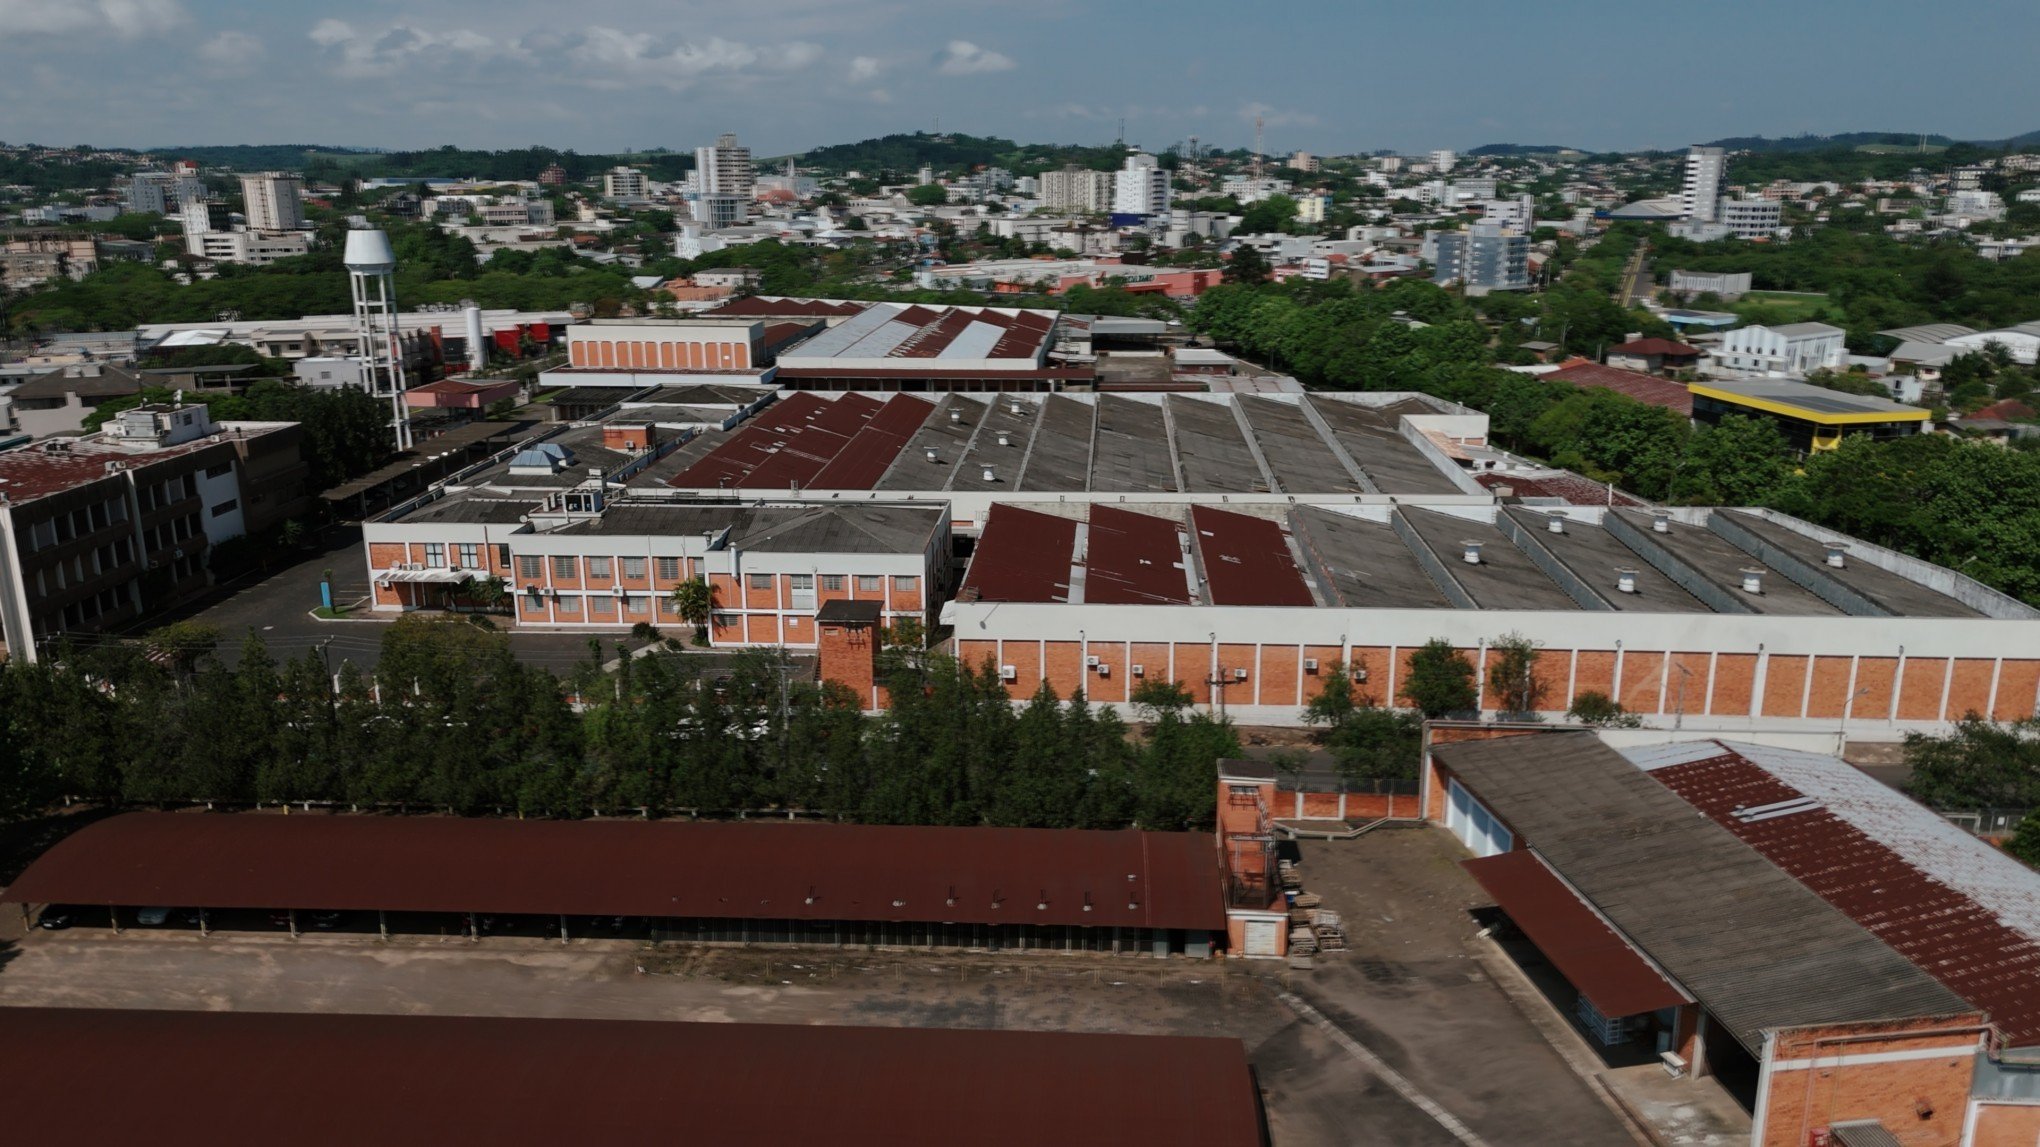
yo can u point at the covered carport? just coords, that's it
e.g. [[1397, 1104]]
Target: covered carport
[[741, 882]]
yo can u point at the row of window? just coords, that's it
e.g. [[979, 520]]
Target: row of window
[[633, 605], [76, 524], [170, 533], [158, 495], [82, 568], [466, 555]]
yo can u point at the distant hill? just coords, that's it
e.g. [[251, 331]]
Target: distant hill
[[255, 157], [1888, 141], [1521, 149], [905, 153]]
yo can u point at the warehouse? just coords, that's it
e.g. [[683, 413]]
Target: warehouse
[[200, 1077], [1825, 949], [1748, 617], [745, 882]]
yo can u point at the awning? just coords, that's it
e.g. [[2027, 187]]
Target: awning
[[1601, 964], [444, 576]]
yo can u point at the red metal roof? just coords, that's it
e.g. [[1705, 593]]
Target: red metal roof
[[1641, 387], [866, 457], [1940, 929], [1022, 556], [812, 446], [752, 445], [60, 464], [1246, 560], [1133, 559], [1656, 346], [744, 870], [1591, 956], [191, 1077], [768, 306]]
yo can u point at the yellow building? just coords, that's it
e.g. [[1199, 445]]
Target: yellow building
[[1812, 418]]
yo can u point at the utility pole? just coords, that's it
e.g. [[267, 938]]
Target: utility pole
[[1257, 148]]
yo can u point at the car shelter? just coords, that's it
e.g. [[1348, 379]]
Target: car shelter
[[1122, 891]]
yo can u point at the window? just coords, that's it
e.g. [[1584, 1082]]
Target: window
[[503, 558], [530, 567], [906, 584], [634, 568], [563, 568], [226, 507], [803, 586], [191, 485], [219, 471], [571, 604], [534, 605], [635, 605], [833, 583], [870, 583], [99, 515], [435, 555], [761, 582], [598, 567], [469, 555], [669, 569], [597, 604]]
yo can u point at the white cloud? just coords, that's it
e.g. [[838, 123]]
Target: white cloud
[[356, 54], [963, 58], [327, 33], [864, 69], [232, 49], [597, 56], [609, 57], [127, 19]]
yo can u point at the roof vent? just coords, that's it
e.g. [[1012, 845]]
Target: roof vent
[[933, 456], [1625, 579], [1005, 439], [1470, 553], [1555, 523], [991, 475], [1837, 554], [1016, 407], [1661, 523], [1753, 579], [956, 416]]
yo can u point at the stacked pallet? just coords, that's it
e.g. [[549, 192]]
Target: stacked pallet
[[1288, 873], [1302, 941], [1330, 930]]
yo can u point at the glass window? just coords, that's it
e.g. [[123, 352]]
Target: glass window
[[226, 507], [530, 567], [435, 555], [503, 557], [563, 567], [634, 568], [870, 583], [570, 604], [598, 567], [669, 569], [832, 582], [635, 605], [907, 583], [761, 581], [803, 582], [219, 471]]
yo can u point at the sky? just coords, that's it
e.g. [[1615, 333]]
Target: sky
[[1328, 76]]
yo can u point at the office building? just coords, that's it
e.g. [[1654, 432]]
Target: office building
[[1142, 189], [1444, 160], [274, 201], [1481, 258], [1700, 194], [1787, 350], [1303, 161], [162, 192], [1752, 218]]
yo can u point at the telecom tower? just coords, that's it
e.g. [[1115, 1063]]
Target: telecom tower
[[371, 272]]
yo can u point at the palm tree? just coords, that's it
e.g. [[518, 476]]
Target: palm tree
[[695, 600]]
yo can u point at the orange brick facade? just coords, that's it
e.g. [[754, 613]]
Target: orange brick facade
[[1913, 1077]]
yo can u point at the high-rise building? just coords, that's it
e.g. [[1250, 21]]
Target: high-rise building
[[553, 176], [1142, 187], [1077, 189], [1482, 258], [161, 192], [725, 168], [1752, 218], [1444, 160], [625, 183], [720, 211], [1701, 193], [1303, 161], [274, 201]]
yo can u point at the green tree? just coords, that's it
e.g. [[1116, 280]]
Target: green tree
[[1981, 764], [1246, 265], [694, 600], [2025, 842], [1740, 462], [928, 195], [1512, 676], [1271, 215], [1440, 680], [1595, 708]]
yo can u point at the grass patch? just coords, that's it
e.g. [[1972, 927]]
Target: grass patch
[[334, 613], [1770, 308]]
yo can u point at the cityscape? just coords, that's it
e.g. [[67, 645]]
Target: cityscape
[[1211, 631]]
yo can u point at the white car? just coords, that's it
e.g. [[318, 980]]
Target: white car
[[151, 917]]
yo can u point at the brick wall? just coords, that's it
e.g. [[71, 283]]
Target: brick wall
[[2007, 1125], [1913, 1076]]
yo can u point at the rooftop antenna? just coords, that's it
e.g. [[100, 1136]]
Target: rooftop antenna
[[1257, 149], [1121, 141], [371, 273]]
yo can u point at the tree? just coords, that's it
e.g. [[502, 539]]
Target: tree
[[1740, 462], [1155, 698], [694, 600], [1512, 676], [1246, 265], [1270, 215], [1595, 708], [1440, 680], [2025, 842], [928, 195], [1981, 764]]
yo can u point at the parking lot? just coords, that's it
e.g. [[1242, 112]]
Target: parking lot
[[1411, 996]]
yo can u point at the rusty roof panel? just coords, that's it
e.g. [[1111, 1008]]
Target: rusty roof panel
[[1022, 556], [1246, 560], [745, 870], [1134, 559], [1618, 980], [1941, 929], [864, 459], [203, 1077]]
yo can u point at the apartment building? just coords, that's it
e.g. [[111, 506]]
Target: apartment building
[[1481, 258], [725, 168], [1142, 188], [274, 201], [97, 531], [162, 192], [1700, 194], [1752, 218], [625, 183], [1077, 189]]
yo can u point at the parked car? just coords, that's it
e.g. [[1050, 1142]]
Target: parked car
[[327, 921], [59, 916]]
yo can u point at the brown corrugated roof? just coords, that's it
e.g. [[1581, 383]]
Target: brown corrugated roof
[[1641, 387], [1134, 559], [1246, 560], [738, 871], [1023, 555], [1584, 950], [204, 1077]]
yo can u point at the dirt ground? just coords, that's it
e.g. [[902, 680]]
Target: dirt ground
[[1429, 1024]]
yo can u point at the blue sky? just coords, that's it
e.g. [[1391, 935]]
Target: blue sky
[[601, 75]]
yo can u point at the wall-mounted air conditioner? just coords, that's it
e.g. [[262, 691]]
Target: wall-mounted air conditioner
[[1310, 665], [1140, 670], [1091, 661], [1008, 673]]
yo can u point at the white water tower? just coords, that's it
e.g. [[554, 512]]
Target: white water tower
[[371, 273]]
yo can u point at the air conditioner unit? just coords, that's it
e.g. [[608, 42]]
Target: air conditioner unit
[[1091, 661], [1104, 670], [1310, 665], [1140, 671], [1239, 675], [1008, 673], [617, 590]]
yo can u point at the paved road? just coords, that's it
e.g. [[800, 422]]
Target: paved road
[[277, 606], [1636, 278]]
